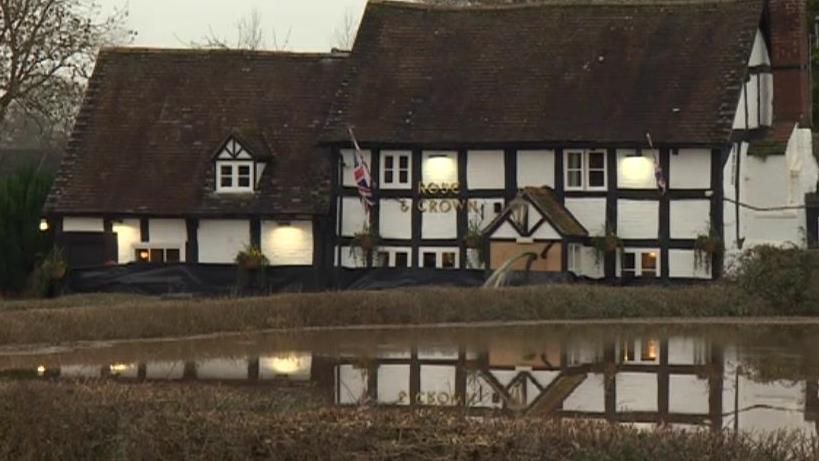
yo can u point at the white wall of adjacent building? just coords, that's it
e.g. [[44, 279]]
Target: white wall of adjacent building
[[71, 224], [221, 240], [287, 244]]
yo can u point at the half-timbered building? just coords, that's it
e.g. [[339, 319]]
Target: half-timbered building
[[641, 118], [605, 138]]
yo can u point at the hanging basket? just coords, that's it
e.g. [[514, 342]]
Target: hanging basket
[[473, 241]]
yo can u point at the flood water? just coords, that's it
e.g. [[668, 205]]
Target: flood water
[[750, 378]]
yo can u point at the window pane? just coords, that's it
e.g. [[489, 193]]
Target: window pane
[[575, 179], [388, 177], [597, 160], [401, 259], [403, 162], [244, 170], [575, 160], [388, 162], [629, 261], [627, 353], [226, 172], [649, 261], [403, 176], [244, 181], [448, 260], [172, 256], [157, 256], [649, 350], [429, 260], [597, 178]]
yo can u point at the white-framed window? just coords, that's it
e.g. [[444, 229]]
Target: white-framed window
[[234, 176], [439, 258], [575, 257], [585, 170], [393, 257], [395, 170], [640, 263], [157, 254]]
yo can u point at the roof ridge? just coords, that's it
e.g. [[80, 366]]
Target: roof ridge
[[403, 4], [216, 51]]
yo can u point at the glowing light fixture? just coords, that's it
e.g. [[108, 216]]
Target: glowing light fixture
[[118, 368], [637, 169], [41, 370], [440, 168], [43, 225]]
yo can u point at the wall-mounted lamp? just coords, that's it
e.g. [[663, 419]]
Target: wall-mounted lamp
[[284, 223], [43, 225], [438, 156]]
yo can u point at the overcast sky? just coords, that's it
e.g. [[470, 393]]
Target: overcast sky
[[311, 24]]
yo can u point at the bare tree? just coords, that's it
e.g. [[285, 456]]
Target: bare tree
[[249, 36], [47, 52], [344, 35]]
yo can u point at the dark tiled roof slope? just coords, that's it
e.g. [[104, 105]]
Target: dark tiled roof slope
[[564, 221], [152, 121], [605, 71]]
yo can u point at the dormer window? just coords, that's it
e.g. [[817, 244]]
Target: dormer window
[[235, 169]]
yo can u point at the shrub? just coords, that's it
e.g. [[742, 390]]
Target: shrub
[[781, 276]]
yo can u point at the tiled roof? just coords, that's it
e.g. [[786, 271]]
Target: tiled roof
[[153, 119], [545, 200], [580, 70]]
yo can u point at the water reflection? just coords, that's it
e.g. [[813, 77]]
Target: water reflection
[[640, 377]]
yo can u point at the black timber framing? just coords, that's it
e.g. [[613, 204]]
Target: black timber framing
[[256, 232], [665, 219], [719, 157], [192, 244], [375, 209], [144, 230], [612, 194]]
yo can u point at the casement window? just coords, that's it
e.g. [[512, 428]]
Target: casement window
[[640, 263], [444, 258], [649, 351], [157, 255], [234, 176], [393, 258], [585, 169], [575, 257], [395, 170]]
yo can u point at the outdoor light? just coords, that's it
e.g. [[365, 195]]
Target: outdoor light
[[43, 225], [41, 370], [144, 256], [637, 168], [118, 368], [287, 364], [440, 168]]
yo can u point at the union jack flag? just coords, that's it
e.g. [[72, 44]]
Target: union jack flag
[[658, 169], [361, 175]]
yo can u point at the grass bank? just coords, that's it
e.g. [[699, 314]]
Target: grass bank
[[137, 318], [108, 421]]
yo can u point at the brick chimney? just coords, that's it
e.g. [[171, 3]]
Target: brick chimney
[[787, 23]]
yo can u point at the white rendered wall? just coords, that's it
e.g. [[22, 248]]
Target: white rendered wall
[[636, 391], [436, 225], [439, 167], [170, 231], [349, 166], [288, 245], [536, 168], [221, 240], [688, 394], [485, 169], [393, 222], [689, 218], [83, 225], [636, 172], [128, 235], [353, 216], [690, 169], [681, 265], [770, 182], [638, 219], [759, 53], [591, 212]]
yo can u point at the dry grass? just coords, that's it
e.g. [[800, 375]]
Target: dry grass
[[101, 420], [152, 318]]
